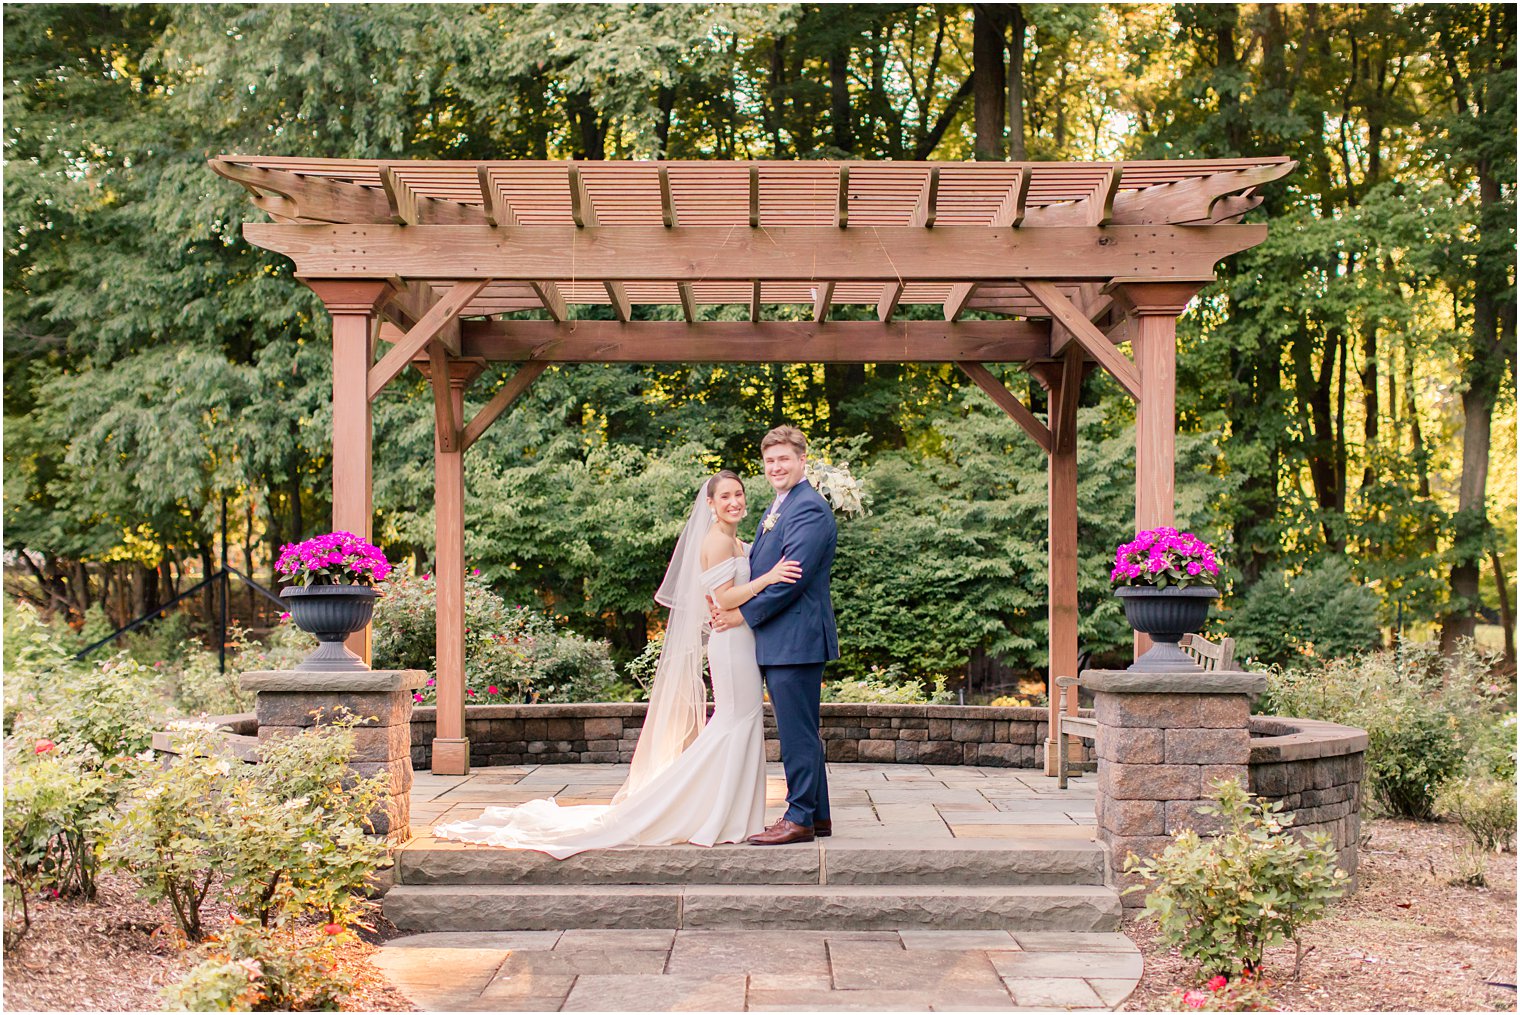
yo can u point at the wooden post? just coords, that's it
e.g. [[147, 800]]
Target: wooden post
[[1063, 383], [1157, 305], [353, 305], [451, 747]]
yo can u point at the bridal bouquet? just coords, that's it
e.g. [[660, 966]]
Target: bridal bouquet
[[838, 486], [337, 558]]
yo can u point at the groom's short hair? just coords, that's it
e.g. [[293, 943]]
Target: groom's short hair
[[785, 435]]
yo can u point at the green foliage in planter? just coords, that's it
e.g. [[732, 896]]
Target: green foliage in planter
[[1484, 807], [251, 968], [1424, 713], [887, 686], [1323, 612], [519, 652], [1222, 902]]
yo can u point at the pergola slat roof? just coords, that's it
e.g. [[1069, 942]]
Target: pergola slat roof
[[888, 212]]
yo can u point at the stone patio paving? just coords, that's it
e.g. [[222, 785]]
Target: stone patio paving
[[897, 806]]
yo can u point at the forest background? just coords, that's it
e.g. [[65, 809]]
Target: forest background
[[1346, 399]]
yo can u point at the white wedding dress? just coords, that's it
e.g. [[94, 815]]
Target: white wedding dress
[[713, 791]]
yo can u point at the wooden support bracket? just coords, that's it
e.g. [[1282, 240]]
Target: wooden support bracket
[[823, 298], [505, 396], [553, 301], [439, 316], [890, 294], [1009, 403], [927, 208], [446, 427], [401, 198], [960, 295], [1087, 335]]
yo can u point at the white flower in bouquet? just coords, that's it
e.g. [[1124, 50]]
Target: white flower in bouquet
[[838, 486]]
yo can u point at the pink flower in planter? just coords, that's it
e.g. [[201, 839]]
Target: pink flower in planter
[[416, 696], [492, 690], [284, 616]]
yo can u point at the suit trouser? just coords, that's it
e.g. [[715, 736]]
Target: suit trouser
[[795, 691]]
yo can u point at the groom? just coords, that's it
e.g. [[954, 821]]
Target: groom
[[794, 631]]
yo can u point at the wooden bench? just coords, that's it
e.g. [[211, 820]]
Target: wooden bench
[[1207, 654]]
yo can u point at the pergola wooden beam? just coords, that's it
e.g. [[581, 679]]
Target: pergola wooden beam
[[748, 342], [777, 253]]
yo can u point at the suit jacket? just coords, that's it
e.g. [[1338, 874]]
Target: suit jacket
[[794, 624]]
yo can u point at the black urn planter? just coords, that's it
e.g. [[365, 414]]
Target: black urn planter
[[1166, 615], [332, 613]]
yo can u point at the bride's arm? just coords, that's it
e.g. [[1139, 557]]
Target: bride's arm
[[715, 549]]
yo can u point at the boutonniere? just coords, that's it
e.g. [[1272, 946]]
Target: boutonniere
[[770, 522]]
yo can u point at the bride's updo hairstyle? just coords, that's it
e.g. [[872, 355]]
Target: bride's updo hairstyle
[[712, 484]]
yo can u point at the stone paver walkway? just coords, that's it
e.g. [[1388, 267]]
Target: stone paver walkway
[[760, 970], [775, 970], [932, 804]]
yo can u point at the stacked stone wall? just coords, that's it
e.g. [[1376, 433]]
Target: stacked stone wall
[[1316, 770], [608, 733]]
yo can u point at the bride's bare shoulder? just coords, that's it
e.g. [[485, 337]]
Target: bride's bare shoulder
[[717, 546]]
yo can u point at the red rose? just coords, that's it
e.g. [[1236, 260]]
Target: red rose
[[1218, 983], [333, 929], [43, 746]]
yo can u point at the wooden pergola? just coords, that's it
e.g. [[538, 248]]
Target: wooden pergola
[[1074, 259]]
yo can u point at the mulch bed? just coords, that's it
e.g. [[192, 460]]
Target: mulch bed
[[1406, 941], [118, 953]]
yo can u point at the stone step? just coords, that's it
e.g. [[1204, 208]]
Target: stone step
[[1028, 908], [428, 861]]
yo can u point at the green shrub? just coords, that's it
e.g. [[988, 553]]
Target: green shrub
[[887, 686], [172, 833], [1484, 807], [54, 808], [287, 835], [512, 653], [103, 711], [1424, 714], [1222, 902], [1322, 612], [250, 968], [300, 823]]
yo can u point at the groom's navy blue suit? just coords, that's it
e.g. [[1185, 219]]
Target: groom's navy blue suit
[[794, 637]]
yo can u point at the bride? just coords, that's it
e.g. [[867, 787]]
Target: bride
[[688, 782]]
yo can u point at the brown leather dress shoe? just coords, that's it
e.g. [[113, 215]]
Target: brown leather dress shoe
[[781, 833], [823, 827]]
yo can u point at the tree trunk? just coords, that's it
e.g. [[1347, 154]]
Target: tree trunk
[[1506, 611], [987, 50], [1016, 149], [839, 95], [667, 105]]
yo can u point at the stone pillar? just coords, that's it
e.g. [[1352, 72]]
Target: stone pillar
[[290, 701], [1162, 739]]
